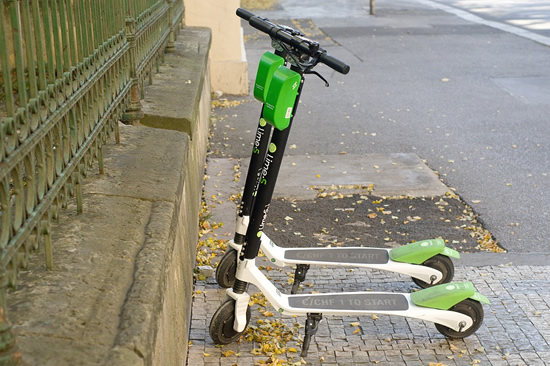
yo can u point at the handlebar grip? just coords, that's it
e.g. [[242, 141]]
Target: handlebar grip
[[334, 63], [260, 24], [245, 14]]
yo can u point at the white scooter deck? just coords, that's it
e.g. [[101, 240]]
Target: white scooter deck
[[344, 303], [375, 258]]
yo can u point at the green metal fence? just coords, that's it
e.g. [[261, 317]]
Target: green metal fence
[[70, 70]]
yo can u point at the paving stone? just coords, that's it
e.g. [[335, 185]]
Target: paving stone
[[516, 329]]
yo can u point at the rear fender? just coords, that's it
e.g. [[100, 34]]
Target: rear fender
[[420, 251], [446, 295]]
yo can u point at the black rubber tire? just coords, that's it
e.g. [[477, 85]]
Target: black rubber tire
[[443, 264], [227, 268], [469, 307], [221, 324]]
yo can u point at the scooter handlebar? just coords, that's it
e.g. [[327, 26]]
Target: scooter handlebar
[[262, 25], [281, 34], [245, 14], [334, 63]]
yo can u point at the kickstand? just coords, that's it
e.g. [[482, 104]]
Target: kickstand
[[299, 277], [312, 325]]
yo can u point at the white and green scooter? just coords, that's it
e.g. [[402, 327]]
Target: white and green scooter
[[428, 262], [455, 308]]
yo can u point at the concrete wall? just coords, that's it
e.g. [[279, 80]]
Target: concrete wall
[[120, 292], [229, 68]]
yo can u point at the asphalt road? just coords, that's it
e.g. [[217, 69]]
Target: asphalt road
[[471, 100], [531, 15]]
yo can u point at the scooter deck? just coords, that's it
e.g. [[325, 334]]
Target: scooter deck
[[351, 302], [339, 255]]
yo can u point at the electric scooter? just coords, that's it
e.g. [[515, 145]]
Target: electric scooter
[[428, 262], [455, 308]]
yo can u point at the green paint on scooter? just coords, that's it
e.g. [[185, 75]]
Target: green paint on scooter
[[269, 63], [421, 251], [447, 295], [281, 97]]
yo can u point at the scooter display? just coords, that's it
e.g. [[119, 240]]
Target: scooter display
[[455, 308]]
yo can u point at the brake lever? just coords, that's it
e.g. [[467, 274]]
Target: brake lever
[[318, 75]]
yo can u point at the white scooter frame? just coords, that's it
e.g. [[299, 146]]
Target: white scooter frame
[[363, 257], [352, 303]]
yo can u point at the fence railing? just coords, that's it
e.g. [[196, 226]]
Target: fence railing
[[69, 71]]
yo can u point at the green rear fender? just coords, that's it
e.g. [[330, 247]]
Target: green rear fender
[[421, 251], [446, 295]]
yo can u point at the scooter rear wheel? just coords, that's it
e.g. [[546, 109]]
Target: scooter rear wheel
[[221, 324], [468, 307], [227, 268], [443, 264]]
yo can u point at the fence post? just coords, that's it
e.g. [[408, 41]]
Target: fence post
[[372, 7], [9, 354], [171, 36], [134, 111]]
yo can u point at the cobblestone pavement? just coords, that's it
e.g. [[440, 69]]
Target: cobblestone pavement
[[516, 329]]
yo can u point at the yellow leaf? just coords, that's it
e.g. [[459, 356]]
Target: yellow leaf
[[206, 354], [454, 348], [374, 317], [292, 349], [228, 353], [356, 330], [355, 324]]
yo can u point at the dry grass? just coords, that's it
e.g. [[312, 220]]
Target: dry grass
[[258, 4]]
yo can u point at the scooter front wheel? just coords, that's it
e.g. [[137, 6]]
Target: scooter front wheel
[[468, 307], [227, 268], [221, 324], [443, 264]]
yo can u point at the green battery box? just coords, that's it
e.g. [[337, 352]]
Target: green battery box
[[281, 97], [269, 63]]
